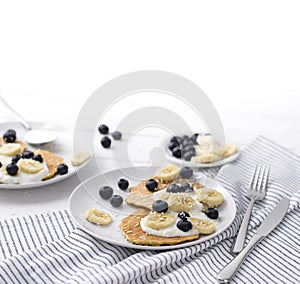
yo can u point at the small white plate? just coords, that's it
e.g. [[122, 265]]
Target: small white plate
[[86, 196], [62, 146], [191, 164]]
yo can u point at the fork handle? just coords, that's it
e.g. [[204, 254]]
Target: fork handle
[[240, 239]]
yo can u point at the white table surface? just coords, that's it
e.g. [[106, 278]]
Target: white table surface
[[245, 112]]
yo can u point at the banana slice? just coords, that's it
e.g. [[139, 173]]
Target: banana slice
[[210, 197], [206, 158], [204, 227], [168, 173], [97, 217], [218, 151], [10, 149], [230, 149], [181, 202], [159, 220], [78, 159], [30, 166]]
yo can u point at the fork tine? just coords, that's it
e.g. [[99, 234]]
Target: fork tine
[[261, 179], [256, 177], [266, 177], [252, 177]]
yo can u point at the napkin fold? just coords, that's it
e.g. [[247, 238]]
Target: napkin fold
[[36, 249]]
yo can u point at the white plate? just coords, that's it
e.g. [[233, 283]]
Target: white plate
[[191, 164], [86, 196], [62, 146]]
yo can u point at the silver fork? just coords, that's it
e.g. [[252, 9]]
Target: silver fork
[[256, 191]]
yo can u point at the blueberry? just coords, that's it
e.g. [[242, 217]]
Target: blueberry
[[106, 192], [184, 225], [10, 136], [186, 172], [0, 165], [123, 184], [27, 154], [160, 206], [187, 188], [116, 200], [62, 169], [188, 148], [103, 129], [117, 135], [151, 184], [38, 158], [187, 142], [174, 188], [176, 152], [16, 158], [188, 156], [176, 139], [12, 131], [12, 169], [212, 213], [105, 142], [172, 145], [194, 138], [183, 215]]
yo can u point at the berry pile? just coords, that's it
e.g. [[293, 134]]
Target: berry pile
[[106, 141], [183, 146]]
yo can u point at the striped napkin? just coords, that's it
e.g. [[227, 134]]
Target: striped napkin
[[47, 248]]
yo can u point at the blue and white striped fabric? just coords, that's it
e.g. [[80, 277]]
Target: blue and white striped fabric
[[48, 248]]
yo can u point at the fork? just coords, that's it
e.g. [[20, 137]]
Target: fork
[[256, 191]]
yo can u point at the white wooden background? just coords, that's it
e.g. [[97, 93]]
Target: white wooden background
[[245, 56]]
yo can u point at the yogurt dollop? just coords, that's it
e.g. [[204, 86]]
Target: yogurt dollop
[[173, 231]]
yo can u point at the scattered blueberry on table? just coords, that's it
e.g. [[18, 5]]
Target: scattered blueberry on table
[[103, 129], [117, 135], [106, 142]]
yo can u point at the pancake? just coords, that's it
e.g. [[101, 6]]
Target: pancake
[[131, 229], [140, 196], [52, 161]]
